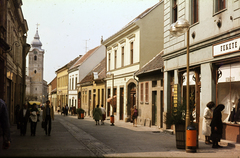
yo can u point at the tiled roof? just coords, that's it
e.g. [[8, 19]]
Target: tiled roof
[[68, 65], [100, 69], [84, 57], [154, 64]]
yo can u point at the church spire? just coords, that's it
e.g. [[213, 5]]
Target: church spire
[[36, 42]]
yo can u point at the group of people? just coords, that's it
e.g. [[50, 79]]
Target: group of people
[[65, 110], [25, 115], [212, 126], [99, 114]]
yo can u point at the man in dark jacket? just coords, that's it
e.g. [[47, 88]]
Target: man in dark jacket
[[48, 116], [5, 125], [217, 125], [24, 114]]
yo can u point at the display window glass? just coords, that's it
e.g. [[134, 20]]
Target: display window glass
[[228, 91]]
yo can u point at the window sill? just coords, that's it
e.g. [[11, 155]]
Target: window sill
[[219, 12], [141, 102], [147, 103]]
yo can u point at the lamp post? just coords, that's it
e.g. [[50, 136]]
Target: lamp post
[[178, 28]]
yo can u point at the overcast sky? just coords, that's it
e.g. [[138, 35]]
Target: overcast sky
[[65, 26]]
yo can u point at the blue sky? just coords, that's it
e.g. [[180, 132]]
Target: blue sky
[[65, 26]]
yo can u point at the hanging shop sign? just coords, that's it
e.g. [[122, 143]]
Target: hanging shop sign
[[229, 46]]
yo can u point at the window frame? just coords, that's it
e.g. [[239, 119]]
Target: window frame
[[123, 56], [141, 92], [194, 11], [174, 11], [115, 59], [146, 92], [218, 7], [131, 52]]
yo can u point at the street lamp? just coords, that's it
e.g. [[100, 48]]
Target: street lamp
[[178, 28]]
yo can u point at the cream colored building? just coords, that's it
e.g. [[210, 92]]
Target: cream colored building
[[62, 83], [128, 50]]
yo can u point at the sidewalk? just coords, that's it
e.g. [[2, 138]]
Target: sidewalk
[[72, 137]]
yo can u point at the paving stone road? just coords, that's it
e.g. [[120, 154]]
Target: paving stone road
[[72, 137]]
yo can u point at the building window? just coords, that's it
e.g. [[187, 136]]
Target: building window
[[122, 56], [75, 102], [141, 95], [228, 93], [220, 5], [109, 61], [76, 83], [36, 89], [174, 11], [154, 83], [35, 71], [35, 57], [72, 82], [146, 92], [131, 53], [194, 11], [115, 59]]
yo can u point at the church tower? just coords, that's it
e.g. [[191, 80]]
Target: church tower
[[36, 86]]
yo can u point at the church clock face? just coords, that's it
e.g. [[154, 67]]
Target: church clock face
[[35, 52]]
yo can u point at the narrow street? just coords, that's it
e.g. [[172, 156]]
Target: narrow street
[[82, 138]]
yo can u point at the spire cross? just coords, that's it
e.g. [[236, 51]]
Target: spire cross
[[37, 25]]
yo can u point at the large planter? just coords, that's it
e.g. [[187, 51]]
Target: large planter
[[180, 136]]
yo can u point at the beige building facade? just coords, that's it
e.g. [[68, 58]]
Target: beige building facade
[[214, 58], [128, 50], [13, 30]]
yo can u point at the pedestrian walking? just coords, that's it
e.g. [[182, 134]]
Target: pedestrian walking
[[207, 119], [66, 110], [58, 109], [33, 116], [23, 118], [97, 114], [63, 111], [48, 116], [5, 125], [217, 126], [134, 114], [103, 114]]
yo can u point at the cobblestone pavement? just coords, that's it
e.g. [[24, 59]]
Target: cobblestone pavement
[[72, 137]]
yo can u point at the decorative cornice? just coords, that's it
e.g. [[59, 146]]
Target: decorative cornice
[[131, 36], [122, 41]]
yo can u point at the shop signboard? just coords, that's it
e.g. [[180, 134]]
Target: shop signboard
[[226, 47]]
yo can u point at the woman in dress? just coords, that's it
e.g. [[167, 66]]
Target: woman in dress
[[33, 115], [97, 114], [207, 118], [217, 126]]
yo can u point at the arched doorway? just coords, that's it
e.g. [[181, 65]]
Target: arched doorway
[[131, 97]]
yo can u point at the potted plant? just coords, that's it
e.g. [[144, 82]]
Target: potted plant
[[176, 116], [80, 113]]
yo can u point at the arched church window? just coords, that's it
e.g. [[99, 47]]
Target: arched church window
[[35, 57], [35, 71]]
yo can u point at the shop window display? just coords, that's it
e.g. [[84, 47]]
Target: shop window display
[[228, 91]]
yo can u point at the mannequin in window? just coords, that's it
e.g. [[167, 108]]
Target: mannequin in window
[[237, 114]]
